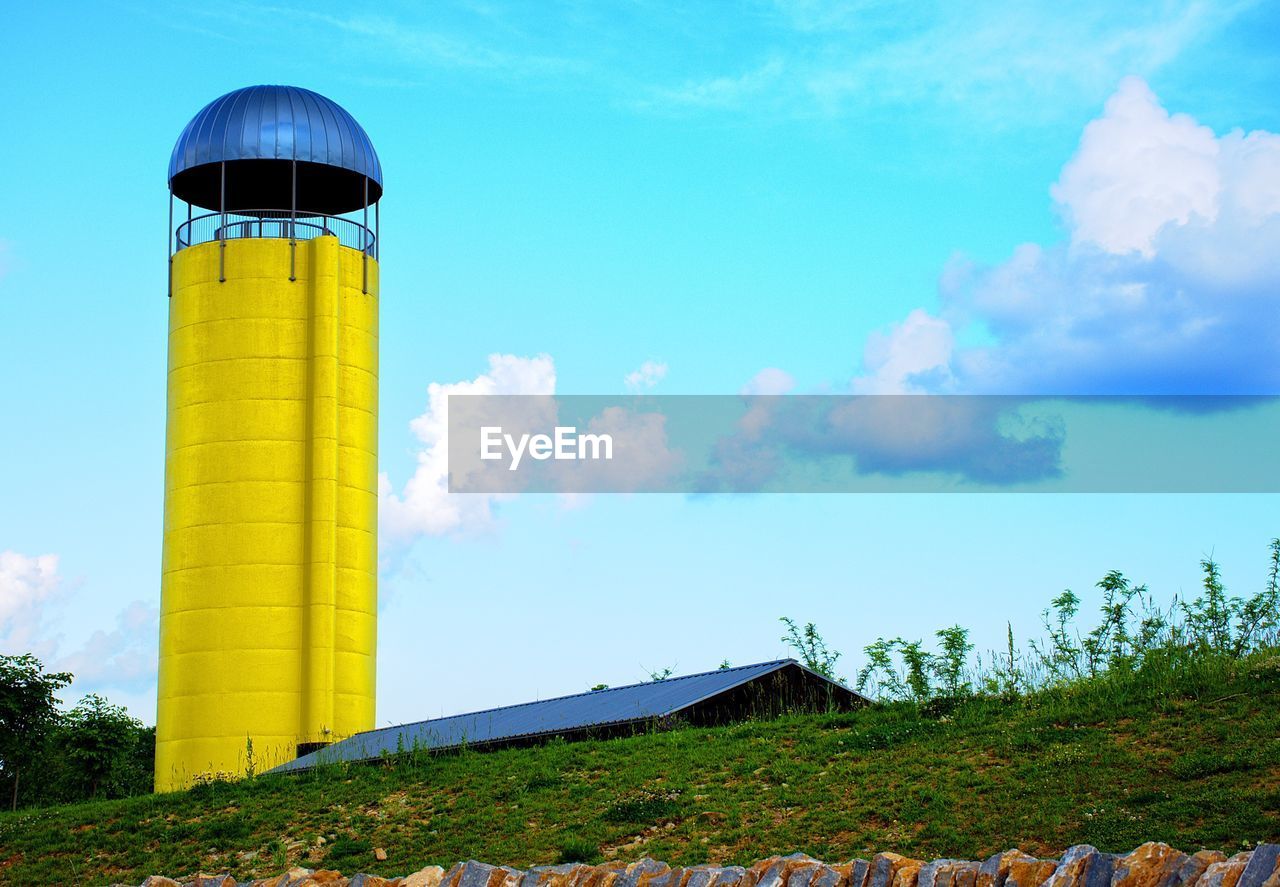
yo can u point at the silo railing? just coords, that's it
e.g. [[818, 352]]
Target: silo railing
[[259, 223]]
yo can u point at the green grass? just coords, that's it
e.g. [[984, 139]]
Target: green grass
[[1191, 758]]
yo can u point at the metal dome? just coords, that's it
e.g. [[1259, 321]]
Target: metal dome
[[266, 135]]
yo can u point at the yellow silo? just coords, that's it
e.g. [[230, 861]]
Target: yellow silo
[[269, 576]]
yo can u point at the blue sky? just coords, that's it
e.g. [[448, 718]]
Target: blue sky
[[800, 196]]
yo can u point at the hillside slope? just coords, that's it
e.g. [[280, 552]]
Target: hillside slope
[[1112, 765]]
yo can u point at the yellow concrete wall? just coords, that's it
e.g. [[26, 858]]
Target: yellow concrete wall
[[269, 577]]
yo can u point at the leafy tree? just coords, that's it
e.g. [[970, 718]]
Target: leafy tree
[[879, 677], [882, 679], [98, 742], [1063, 655], [28, 713], [918, 664], [1260, 614], [1109, 645], [1210, 616], [811, 648], [951, 663]]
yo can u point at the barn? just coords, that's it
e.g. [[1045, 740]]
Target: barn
[[723, 696]]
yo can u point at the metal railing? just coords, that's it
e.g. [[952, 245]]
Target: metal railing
[[214, 227]]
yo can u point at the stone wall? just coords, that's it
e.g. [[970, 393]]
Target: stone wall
[[1151, 865]]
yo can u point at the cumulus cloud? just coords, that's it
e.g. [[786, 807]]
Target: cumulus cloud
[[1137, 169], [124, 657], [769, 380], [1168, 285], [900, 360], [28, 584], [648, 375], [31, 589], [425, 506]]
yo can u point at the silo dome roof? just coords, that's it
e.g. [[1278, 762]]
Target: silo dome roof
[[275, 123]]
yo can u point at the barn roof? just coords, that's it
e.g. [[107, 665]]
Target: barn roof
[[611, 707]]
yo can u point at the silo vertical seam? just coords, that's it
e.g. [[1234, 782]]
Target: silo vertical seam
[[320, 532]]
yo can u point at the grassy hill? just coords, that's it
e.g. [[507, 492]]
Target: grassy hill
[[1113, 762]]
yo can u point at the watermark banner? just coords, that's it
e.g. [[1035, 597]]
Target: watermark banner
[[711, 444]]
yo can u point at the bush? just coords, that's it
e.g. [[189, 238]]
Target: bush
[[577, 850], [95, 750], [644, 807]]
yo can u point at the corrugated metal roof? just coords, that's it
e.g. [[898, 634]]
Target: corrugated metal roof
[[596, 708], [275, 123]]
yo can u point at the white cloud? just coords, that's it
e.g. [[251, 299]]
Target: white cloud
[[425, 506], [998, 61], [769, 380], [124, 657], [648, 375], [27, 586], [992, 57], [896, 360], [1138, 169], [1169, 284], [720, 91]]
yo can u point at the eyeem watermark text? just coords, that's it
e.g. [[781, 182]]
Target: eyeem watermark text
[[565, 444]]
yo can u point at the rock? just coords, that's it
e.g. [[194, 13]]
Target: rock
[[1082, 866], [1224, 873], [887, 871], [730, 876], [1195, 866], [282, 879], [1030, 872], [948, 873], [699, 876], [203, 880], [776, 871], [598, 875], [450, 878], [641, 871], [295, 875], [858, 870], [1151, 865], [772, 871], [1013, 868], [944, 873], [363, 880], [300, 877], [481, 874], [426, 877], [908, 873], [160, 881], [379, 854], [996, 868], [797, 876], [827, 876], [670, 878], [1263, 867], [544, 875]]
